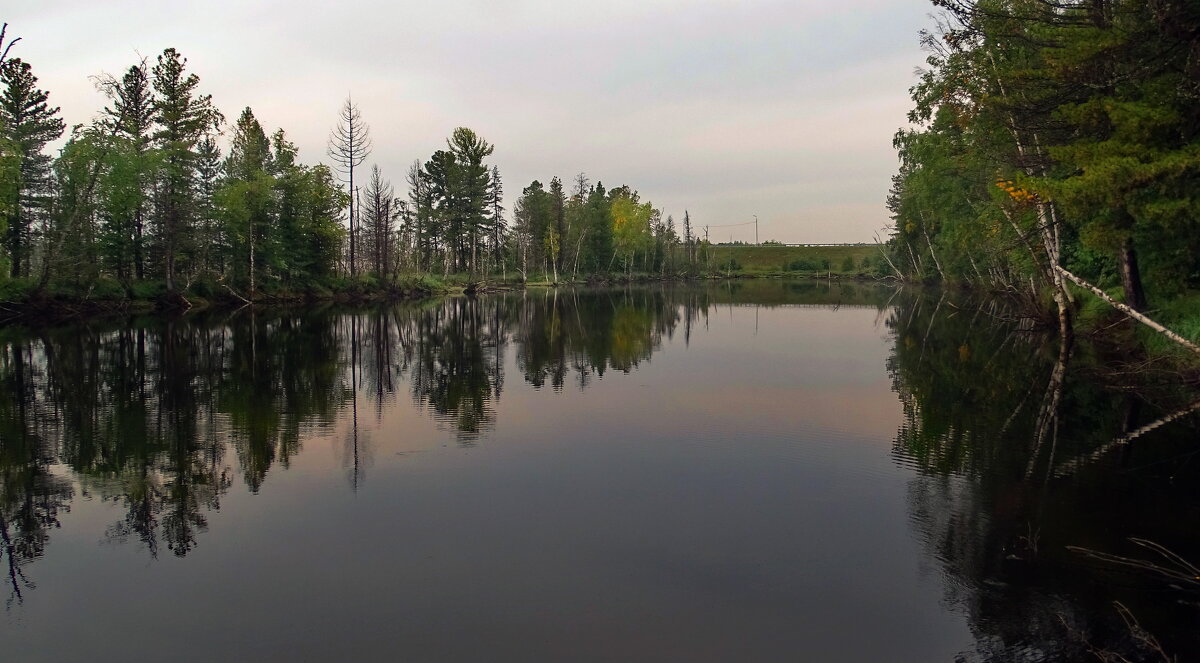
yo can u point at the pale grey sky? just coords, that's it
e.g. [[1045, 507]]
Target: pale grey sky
[[726, 108]]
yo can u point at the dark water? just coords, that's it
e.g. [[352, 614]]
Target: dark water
[[769, 471]]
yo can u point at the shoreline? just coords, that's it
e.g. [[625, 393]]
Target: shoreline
[[49, 308]]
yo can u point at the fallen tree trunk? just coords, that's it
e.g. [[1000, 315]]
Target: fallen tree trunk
[[1129, 311]]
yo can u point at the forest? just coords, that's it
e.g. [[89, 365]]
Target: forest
[[1053, 148], [161, 199]]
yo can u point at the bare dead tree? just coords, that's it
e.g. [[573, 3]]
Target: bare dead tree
[[377, 209], [5, 48], [349, 146]]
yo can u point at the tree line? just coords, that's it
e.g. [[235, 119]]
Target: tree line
[[594, 230], [160, 196], [1055, 139]]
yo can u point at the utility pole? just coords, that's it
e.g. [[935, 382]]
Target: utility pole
[[755, 229]]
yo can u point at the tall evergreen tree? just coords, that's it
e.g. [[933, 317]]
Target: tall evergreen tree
[[323, 234], [420, 215], [468, 199], [182, 118], [533, 218], [558, 202], [248, 200], [495, 206], [445, 210], [600, 230], [130, 118], [209, 169], [28, 123]]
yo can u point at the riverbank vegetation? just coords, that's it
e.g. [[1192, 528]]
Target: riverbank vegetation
[[1053, 144], [162, 200]]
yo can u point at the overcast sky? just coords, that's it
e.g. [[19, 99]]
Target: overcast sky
[[726, 108]]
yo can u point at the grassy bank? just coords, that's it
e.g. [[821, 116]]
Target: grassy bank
[[799, 260]]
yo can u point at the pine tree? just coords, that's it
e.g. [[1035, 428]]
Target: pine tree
[[445, 206], [130, 119], [182, 118], [28, 123], [247, 199], [495, 204], [558, 202], [208, 178], [323, 233], [284, 252], [600, 230], [420, 215], [468, 194]]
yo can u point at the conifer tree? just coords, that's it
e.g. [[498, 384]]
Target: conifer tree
[[420, 215], [182, 118], [495, 205], [247, 199], [208, 178], [28, 123], [558, 202], [468, 194], [130, 118]]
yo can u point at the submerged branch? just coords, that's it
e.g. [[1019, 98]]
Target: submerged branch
[[1177, 569]]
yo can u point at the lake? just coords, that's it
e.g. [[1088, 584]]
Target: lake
[[746, 471]]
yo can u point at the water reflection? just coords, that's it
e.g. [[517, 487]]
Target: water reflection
[[160, 416], [1010, 454], [1017, 458]]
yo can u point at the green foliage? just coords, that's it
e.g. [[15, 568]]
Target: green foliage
[[730, 264], [631, 226], [144, 192], [1079, 118], [149, 290], [183, 118], [28, 123]]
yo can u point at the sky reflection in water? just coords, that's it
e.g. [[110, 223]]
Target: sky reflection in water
[[593, 475]]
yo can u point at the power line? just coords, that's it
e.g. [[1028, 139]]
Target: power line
[[731, 225]]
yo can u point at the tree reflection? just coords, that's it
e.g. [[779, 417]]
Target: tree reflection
[[993, 415], [31, 495], [457, 363], [162, 416]]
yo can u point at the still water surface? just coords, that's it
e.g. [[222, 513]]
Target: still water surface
[[765, 471]]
